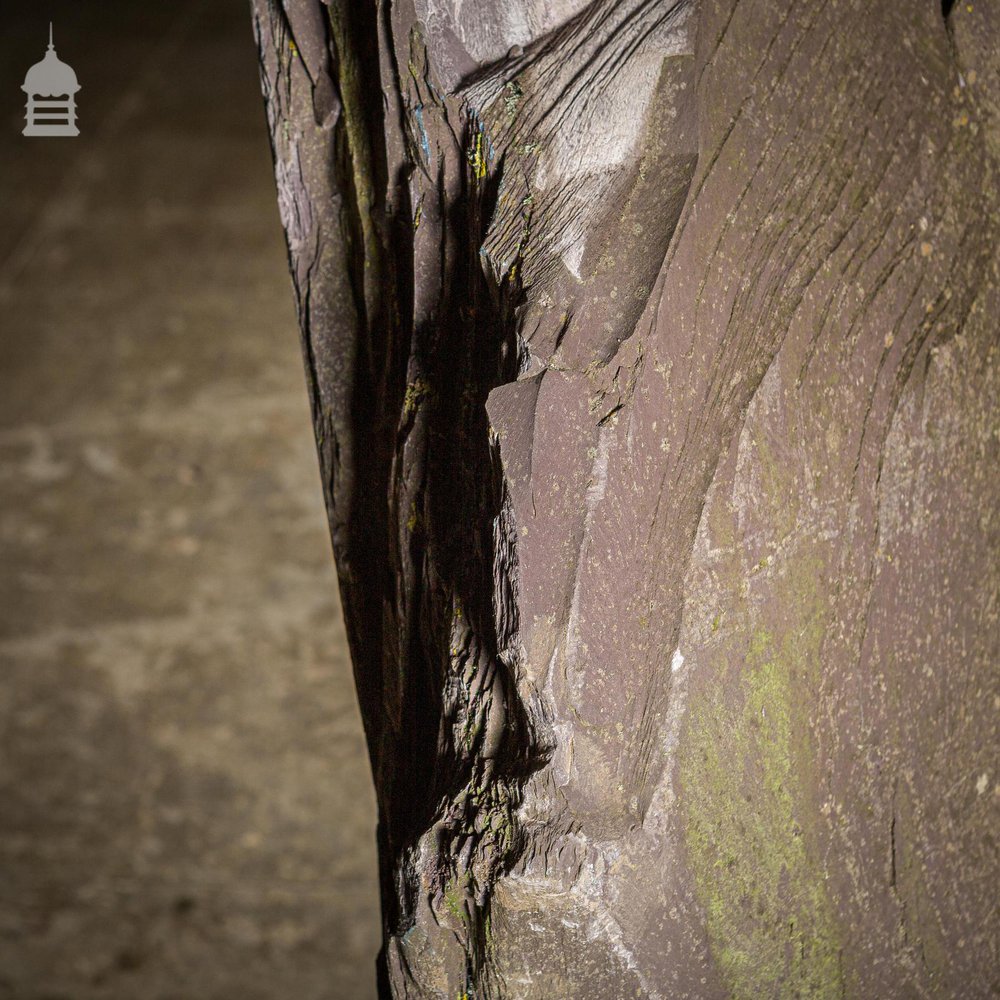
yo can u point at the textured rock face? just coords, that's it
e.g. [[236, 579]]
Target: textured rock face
[[652, 348]]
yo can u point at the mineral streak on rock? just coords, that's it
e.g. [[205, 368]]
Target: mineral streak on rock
[[652, 350]]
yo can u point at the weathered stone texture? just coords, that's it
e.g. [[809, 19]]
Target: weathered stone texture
[[681, 325]]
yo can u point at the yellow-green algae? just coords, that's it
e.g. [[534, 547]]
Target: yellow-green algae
[[455, 891], [352, 85], [745, 773]]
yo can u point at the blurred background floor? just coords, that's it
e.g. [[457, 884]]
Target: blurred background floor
[[185, 800]]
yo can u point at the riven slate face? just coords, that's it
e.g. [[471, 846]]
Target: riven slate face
[[652, 352]]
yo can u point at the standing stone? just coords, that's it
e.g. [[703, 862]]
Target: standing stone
[[652, 348]]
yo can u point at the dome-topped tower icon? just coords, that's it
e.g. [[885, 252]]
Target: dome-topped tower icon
[[51, 87]]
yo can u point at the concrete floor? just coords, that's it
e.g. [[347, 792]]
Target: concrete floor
[[185, 801]]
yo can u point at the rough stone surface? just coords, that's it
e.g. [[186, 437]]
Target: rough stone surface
[[185, 799], [654, 368]]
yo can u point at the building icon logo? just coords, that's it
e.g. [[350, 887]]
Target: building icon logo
[[51, 87]]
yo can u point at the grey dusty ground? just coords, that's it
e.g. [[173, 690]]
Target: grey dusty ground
[[185, 803]]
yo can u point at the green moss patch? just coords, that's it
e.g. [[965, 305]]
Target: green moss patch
[[746, 778]]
